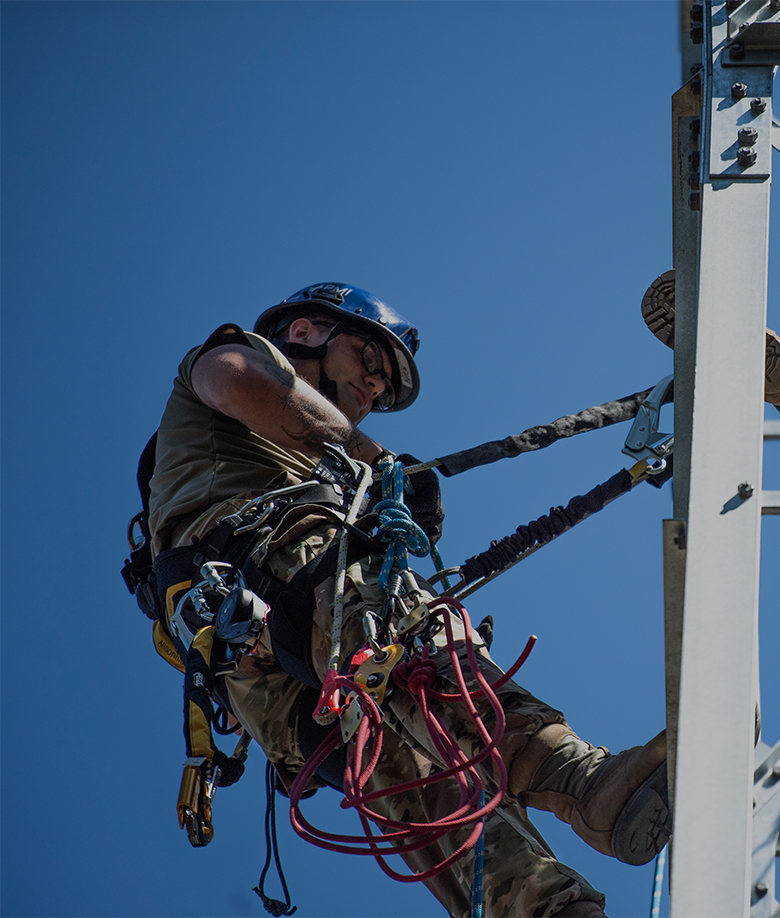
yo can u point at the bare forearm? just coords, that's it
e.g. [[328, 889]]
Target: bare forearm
[[276, 404]]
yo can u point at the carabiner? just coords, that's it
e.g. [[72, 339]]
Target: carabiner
[[644, 440]]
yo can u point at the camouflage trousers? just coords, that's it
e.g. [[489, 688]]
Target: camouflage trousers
[[521, 875]]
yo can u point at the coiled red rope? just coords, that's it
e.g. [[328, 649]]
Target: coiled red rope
[[416, 676]]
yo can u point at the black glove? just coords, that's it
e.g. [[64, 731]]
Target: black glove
[[422, 496], [230, 769]]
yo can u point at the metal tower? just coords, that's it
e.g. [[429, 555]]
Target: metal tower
[[722, 148]]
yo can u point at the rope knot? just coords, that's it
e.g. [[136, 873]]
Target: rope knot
[[414, 675], [274, 906]]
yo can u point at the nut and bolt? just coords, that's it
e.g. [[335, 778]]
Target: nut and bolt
[[697, 33], [737, 52], [758, 106], [747, 136], [746, 156], [693, 181], [695, 159], [695, 125], [760, 889], [739, 90], [744, 490], [697, 12], [733, 5], [694, 201], [774, 4]]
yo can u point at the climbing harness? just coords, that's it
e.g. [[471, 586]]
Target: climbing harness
[[203, 627]]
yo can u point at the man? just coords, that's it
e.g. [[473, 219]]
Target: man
[[252, 413]]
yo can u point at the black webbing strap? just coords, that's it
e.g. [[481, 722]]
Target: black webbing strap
[[218, 541], [292, 604], [503, 553]]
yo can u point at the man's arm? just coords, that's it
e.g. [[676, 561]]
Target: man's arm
[[250, 387]]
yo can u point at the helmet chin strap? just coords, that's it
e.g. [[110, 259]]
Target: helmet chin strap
[[318, 352]]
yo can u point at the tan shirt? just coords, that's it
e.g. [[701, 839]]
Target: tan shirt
[[205, 458]]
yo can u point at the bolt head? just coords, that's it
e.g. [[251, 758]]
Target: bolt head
[[758, 106], [739, 90], [694, 201], [697, 12], [736, 52], [746, 156], [733, 4], [747, 136], [697, 33], [761, 889]]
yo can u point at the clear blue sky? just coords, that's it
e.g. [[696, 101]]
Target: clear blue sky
[[500, 172]]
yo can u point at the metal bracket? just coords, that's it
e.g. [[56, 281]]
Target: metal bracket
[[766, 831], [753, 34], [644, 440]]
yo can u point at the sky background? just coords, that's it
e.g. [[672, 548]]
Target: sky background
[[499, 173]]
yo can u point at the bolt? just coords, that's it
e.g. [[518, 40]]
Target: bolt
[[697, 12], [694, 201], [693, 181], [695, 159], [695, 125], [776, 769], [697, 33], [774, 4], [733, 5], [737, 52], [739, 90], [746, 156], [747, 136], [760, 889], [758, 106], [696, 87], [744, 490]]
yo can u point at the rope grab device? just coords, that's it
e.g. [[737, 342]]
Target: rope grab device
[[223, 611]]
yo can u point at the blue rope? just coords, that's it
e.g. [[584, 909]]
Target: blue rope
[[479, 866], [396, 526], [658, 879]]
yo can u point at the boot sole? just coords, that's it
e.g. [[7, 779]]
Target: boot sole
[[658, 313], [645, 823]]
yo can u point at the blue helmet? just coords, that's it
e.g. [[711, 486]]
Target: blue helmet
[[357, 310]]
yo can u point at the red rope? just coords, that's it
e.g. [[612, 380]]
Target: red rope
[[416, 676]]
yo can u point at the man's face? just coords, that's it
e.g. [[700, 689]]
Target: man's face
[[357, 388]]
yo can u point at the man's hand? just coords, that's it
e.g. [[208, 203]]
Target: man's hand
[[276, 404], [422, 496]]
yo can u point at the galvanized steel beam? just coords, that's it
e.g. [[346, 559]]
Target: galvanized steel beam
[[721, 263]]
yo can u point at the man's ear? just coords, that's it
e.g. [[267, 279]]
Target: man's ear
[[301, 330]]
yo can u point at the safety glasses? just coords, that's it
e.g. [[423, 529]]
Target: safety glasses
[[373, 361]]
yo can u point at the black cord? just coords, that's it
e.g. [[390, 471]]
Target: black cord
[[272, 906]]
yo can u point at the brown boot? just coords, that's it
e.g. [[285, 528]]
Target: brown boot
[[658, 313], [617, 803]]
